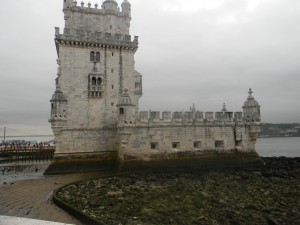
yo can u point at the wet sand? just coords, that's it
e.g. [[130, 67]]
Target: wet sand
[[31, 198]]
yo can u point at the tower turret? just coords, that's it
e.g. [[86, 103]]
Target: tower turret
[[110, 5], [58, 110], [126, 110], [68, 4], [126, 8], [251, 109]]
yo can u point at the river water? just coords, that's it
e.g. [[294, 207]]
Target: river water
[[285, 146]]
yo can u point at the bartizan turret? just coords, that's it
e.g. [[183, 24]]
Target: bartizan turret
[[68, 4], [110, 5], [251, 109], [58, 111], [126, 8], [126, 110]]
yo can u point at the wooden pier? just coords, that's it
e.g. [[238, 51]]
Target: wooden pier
[[26, 153]]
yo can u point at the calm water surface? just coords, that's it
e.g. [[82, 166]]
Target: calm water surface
[[286, 146]]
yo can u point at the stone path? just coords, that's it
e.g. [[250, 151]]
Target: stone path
[[11, 220], [32, 198]]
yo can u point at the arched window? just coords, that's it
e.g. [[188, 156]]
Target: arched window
[[121, 110], [92, 56], [97, 56], [99, 81], [93, 81]]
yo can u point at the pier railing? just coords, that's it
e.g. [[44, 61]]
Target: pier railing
[[26, 153]]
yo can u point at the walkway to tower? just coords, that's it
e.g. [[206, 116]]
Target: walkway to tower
[[32, 199]]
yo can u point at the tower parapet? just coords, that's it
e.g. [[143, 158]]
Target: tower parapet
[[187, 118], [108, 18], [100, 39]]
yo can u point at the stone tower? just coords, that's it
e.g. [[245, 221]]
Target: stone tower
[[95, 66], [251, 109], [95, 108]]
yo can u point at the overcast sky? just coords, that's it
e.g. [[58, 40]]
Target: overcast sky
[[202, 52]]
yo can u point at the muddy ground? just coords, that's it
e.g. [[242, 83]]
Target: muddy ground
[[268, 195], [13, 172]]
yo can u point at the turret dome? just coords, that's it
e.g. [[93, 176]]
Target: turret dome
[[251, 108], [126, 8], [125, 2], [251, 102], [110, 5], [58, 96]]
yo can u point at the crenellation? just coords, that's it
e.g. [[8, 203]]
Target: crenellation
[[177, 117], [209, 116], [167, 116], [89, 38], [199, 116], [155, 116], [107, 8], [144, 116], [188, 117]]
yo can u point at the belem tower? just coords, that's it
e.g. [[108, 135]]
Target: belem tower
[[95, 113]]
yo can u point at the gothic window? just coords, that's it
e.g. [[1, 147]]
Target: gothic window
[[137, 85], [92, 56], [138, 88], [93, 81], [97, 56], [95, 86], [99, 81]]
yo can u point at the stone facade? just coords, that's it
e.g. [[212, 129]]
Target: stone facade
[[94, 109]]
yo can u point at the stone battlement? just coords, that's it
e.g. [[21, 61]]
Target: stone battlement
[[100, 38], [188, 117], [88, 8]]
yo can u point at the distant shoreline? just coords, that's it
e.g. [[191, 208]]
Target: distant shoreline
[[279, 137]]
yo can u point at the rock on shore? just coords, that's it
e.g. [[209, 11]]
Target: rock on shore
[[268, 195]]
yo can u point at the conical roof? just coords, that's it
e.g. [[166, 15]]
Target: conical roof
[[251, 102]]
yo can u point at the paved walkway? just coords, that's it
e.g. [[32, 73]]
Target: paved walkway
[[32, 198], [9, 220]]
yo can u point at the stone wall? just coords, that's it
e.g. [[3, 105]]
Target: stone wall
[[86, 141], [144, 142]]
